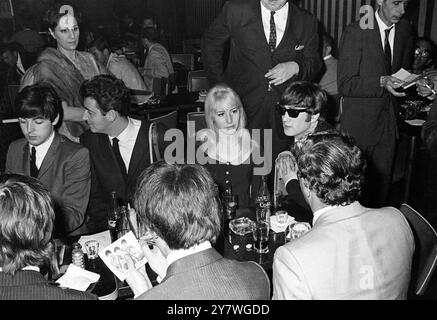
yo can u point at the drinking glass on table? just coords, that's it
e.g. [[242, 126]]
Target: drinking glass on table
[[261, 236]]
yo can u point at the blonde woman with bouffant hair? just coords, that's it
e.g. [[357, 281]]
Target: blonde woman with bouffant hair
[[227, 145]]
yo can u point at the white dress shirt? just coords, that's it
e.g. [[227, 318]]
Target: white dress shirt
[[382, 28], [42, 150], [127, 139], [280, 22], [124, 70]]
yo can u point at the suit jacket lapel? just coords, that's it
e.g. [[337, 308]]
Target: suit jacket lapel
[[376, 39], [26, 159], [398, 47], [50, 156], [140, 151]]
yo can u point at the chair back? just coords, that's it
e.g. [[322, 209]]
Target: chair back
[[157, 129], [197, 81], [195, 122], [185, 59], [425, 253]]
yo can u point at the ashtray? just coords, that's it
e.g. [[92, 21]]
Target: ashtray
[[241, 226]]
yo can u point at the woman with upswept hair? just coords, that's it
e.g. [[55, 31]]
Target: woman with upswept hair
[[65, 68]]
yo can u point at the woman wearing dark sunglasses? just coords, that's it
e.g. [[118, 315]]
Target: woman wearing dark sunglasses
[[301, 108]]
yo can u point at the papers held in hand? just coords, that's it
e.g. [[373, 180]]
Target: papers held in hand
[[115, 255], [409, 79]]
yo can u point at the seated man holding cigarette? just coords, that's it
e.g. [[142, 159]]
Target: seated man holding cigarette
[[352, 252], [180, 205]]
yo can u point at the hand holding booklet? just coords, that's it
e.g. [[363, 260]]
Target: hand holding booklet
[[407, 78], [114, 255]]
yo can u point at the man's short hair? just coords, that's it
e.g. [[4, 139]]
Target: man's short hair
[[39, 100], [11, 47], [109, 92], [150, 34], [26, 222], [305, 95], [180, 203], [332, 166]]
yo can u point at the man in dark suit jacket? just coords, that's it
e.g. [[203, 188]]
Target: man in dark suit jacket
[[302, 107], [179, 205], [106, 100], [18, 60], [369, 111], [61, 165], [26, 229], [260, 66]]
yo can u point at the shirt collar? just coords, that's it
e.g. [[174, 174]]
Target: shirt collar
[[128, 132], [43, 148], [111, 56], [283, 10], [327, 57], [318, 213], [181, 253]]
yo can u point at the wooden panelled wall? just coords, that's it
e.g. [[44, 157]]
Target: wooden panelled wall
[[336, 14]]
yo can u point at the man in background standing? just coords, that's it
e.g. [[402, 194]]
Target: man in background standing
[[272, 42], [369, 55]]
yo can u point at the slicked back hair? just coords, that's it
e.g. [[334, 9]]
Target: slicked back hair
[[332, 166], [180, 203], [26, 223]]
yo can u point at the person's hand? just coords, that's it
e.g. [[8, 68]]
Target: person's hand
[[427, 86], [287, 168], [137, 279], [156, 260], [282, 72], [391, 83]]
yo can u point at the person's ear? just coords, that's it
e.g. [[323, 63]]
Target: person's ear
[[111, 115], [55, 121]]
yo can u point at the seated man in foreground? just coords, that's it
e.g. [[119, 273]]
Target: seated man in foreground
[[352, 252], [61, 165], [180, 205], [26, 224]]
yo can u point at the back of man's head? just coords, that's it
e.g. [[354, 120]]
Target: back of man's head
[[109, 92], [179, 203], [305, 95], [39, 101], [26, 222], [331, 166]]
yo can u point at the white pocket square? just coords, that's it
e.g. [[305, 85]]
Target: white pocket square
[[299, 47]]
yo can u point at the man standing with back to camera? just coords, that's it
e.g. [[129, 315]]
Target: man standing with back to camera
[[369, 55], [272, 42]]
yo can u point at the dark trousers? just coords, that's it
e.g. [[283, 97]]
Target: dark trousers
[[380, 159]]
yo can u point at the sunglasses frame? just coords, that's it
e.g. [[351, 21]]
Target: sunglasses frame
[[292, 113]]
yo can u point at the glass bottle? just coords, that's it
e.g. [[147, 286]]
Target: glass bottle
[[113, 216], [123, 226], [263, 202], [77, 255]]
